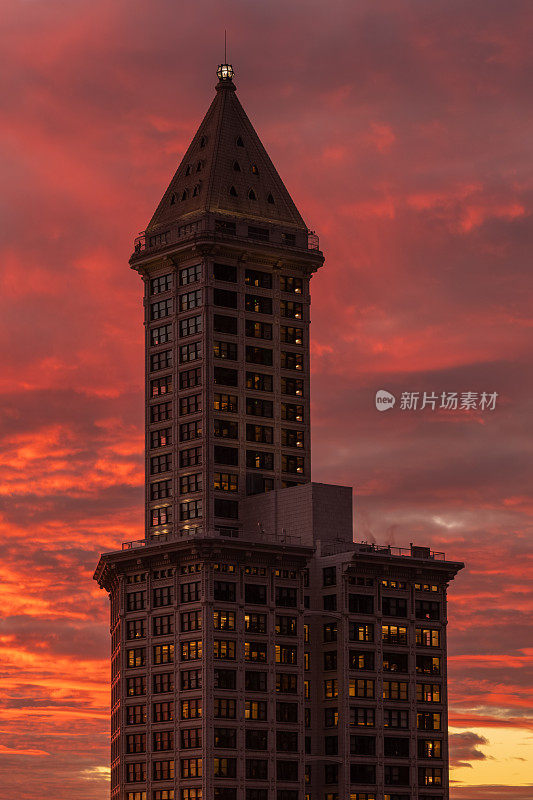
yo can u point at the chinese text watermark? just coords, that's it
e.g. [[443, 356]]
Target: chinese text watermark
[[448, 401]]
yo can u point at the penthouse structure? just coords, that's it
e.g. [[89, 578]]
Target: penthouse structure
[[258, 651]]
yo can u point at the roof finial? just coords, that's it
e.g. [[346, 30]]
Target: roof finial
[[225, 71]]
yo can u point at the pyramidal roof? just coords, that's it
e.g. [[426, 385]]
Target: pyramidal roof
[[227, 170]]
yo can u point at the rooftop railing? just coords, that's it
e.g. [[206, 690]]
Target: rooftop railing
[[150, 241], [414, 551]]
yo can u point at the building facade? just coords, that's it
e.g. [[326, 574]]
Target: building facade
[[258, 652]]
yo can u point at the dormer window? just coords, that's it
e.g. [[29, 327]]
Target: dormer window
[[233, 191], [240, 142], [199, 166], [251, 195], [270, 199], [196, 190], [188, 170], [185, 194], [236, 166], [255, 169], [172, 199], [203, 141]]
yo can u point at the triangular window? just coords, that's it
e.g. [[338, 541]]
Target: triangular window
[[270, 199], [196, 190], [203, 141], [255, 169], [199, 166], [251, 195], [172, 199], [185, 194], [236, 166], [233, 191], [240, 142]]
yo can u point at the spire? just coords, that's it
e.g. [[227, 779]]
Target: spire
[[226, 169]]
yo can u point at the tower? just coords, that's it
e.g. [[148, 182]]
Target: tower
[[257, 651], [226, 262]]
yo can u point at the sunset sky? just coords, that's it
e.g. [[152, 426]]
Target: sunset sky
[[403, 130]]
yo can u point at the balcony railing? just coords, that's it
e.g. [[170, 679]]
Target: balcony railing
[[414, 551], [150, 241]]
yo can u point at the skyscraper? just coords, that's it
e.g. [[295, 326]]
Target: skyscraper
[[258, 652]]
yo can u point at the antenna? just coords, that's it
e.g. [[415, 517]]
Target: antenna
[[225, 56]]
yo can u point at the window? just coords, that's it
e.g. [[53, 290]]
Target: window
[[163, 770], [225, 272], [225, 767], [190, 621], [292, 464], [225, 737], [287, 712], [224, 649], [292, 386], [161, 360], [161, 412], [292, 438], [224, 324], [287, 283], [226, 402], [135, 629], [135, 601], [329, 602], [190, 592], [392, 718], [225, 679], [259, 304], [259, 355], [255, 593], [161, 309], [291, 310], [361, 660], [190, 274], [395, 690], [163, 682], [330, 632], [428, 693], [287, 770], [362, 717], [191, 738], [259, 382], [286, 597], [136, 657], [291, 360], [286, 626], [136, 686], [330, 660], [362, 745], [255, 651], [191, 457], [225, 298], [191, 709], [191, 793], [394, 634], [427, 609], [258, 459], [429, 748], [286, 683], [255, 681], [256, 739], [136, 715], [160, 490], [163, 712], [136, 772], [191, 679], [191, 326], [258, 330], [162, 463], [395, 662], [257, 769], [331, 717], [191, 509], [190, 378], [260, 234], [224, 708], [161, 335], [161, 437], [190, 352], [226, 376], [191, 483], [394, 606], [292, 413], [396, 747], [428, 721], [225, 482], [190, 300], [428, 665], [430, 776], [191, 767], [361, 603], [223, 349], [191, 650], [427, 637], [163, 596], [255, 709], [163, 740], [331, 689], [226, 429], [224, 620], [360, 687], [396, 776], [259, 408], [287, 741], [163, 654], [362, 773], [224, 590], [160, 386]]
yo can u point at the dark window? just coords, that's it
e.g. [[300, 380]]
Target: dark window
[[286, 683], [191, 458], [292, 438], [396, 775], [329, 602], [225, 298], [288, 283], [226, 227], [161, 335], [190, 274], [259, 408], [222, 349], [290, 360], [261, 234], [226, 455], [190, 378], [258, 330], [396, 747], [362, 773], [163, 308], [161, 412], [256, 739], [361, 604], [225, 272], [427, 609], [286, 597], [255, 593], [190, 300], [223, 324], [259, 355], [395, 662], [225, 679], [394, 606], [291, 310], [361, 660], [225, 737], [293, 413], [255, 681], [258, 304], [224, 590], [259, 433], [257, 769], [287, 741], [226, 377], [228, 509], [293, 386], [160, 490], [287, 770], [191, 326], [254, 277], [257, 459], [191, 404], [394, 718], [163, 283]]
